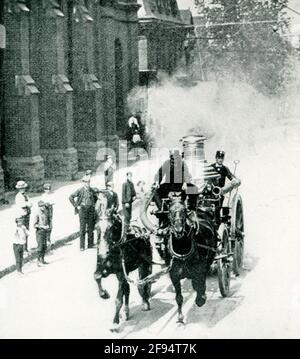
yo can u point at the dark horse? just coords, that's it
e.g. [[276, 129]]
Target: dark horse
[[115, 257], [192, 241]]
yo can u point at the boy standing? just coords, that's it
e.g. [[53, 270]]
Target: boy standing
[[20, 239], [23, 203]]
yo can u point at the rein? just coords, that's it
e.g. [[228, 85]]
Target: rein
[[206, 247], [149, 279]]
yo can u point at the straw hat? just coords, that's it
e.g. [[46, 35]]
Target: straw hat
[[21, 185]]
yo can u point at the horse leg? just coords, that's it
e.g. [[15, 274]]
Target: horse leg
[[126, 293], [199, 284], [145, 290], [98, 278], [179, 298], [119, 303], [103, 293]]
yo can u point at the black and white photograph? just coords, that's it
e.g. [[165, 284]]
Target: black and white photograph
[[149, 171]]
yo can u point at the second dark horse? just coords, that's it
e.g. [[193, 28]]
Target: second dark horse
[[192, 241], [113, 257]]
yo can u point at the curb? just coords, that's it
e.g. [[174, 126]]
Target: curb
[[33, 255]]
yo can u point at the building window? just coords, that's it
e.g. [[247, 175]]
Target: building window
[[119, 93], [174, 8], [168, 9], [70, 41], [160, 5], [153, 5]]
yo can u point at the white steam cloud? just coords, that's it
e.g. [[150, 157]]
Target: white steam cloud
[[233, 115]]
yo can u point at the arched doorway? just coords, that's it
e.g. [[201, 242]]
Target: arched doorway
[[119, 78]]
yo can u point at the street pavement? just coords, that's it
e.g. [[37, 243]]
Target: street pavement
[[60, 300]]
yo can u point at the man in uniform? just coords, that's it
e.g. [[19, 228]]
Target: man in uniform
[[84, 200], [224, 172], [128, 197]]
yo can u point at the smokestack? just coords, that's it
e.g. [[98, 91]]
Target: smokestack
[[194, 156], [193, 147]]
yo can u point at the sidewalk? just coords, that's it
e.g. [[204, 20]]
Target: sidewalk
[[65, 222]]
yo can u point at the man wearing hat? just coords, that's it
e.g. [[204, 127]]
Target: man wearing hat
[[84, 200], [42, 226], [224, 172], [23, 203], [48, 200]]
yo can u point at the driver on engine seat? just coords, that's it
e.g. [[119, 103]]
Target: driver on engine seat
[[174, 176]]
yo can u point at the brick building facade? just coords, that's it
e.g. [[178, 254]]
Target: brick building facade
[[66, 70], [162, 33], [2, 47]]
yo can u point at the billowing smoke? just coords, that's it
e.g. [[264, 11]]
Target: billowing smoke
[[232, 115]]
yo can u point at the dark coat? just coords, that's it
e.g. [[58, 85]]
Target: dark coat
[[77, 196], [42, 219], [128, 192], [173, 171], [224, 172]]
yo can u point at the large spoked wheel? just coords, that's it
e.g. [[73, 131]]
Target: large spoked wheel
[[223, 261], [237, 234]]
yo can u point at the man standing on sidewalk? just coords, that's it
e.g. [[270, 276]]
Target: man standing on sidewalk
[[128, 197], [23, 203], [84, 200], [42, 226]]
